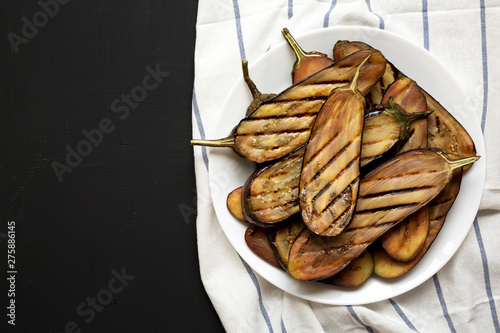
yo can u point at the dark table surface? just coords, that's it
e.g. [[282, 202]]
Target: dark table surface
[[96, 168]]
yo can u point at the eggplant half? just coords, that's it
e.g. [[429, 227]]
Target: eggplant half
[[283, 236], [404, 241], [446, 133], [271, 193], [387, 195], [329, 180], [407, 94], [355, 273], [306, 62]]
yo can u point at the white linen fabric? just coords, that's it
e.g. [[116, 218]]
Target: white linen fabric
[[463, 35]]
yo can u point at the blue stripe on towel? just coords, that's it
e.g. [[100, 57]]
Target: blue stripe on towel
[[248, 269], [486, 272], [283, 328], [381, 20], [483, 123], [425, 21], [326, 20], [238, 28], [353, 313], [259, 293], [485, 64], [402, 315], [443, 303], [200, 127], [290, 9], [444, 307]]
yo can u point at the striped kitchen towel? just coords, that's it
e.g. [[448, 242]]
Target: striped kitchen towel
[[463, 35]]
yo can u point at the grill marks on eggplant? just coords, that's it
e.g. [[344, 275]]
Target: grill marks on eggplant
[[395, 192], [328, 183], [270, 195], [327, 186], [421, 175], [283, 236], [279, 201], [387, 208]]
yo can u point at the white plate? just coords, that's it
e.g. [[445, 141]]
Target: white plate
[[272, 74]]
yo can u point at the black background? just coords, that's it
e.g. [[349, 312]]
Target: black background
[[129, 206]]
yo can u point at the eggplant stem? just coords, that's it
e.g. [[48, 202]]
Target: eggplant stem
[[458, 163], [251, 85], [412, 116], [226, 142], [354, 81], [455, 164], [299, 52]]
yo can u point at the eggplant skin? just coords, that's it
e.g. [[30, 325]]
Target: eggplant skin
[[343, 48], [283, 236], [257, 240]]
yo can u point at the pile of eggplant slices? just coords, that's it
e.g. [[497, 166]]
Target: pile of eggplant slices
[[357, 167]]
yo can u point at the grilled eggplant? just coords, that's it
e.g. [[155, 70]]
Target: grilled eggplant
[[283, 123], [404, 241], [407, 94], [386, 130], [306, 63], [443, 130], [387, 195], [234, 204], [446, 133], [388, 267], [257, 240], [282, 238], [344, 48], [355, 273], [329, 179], [271, 194]]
